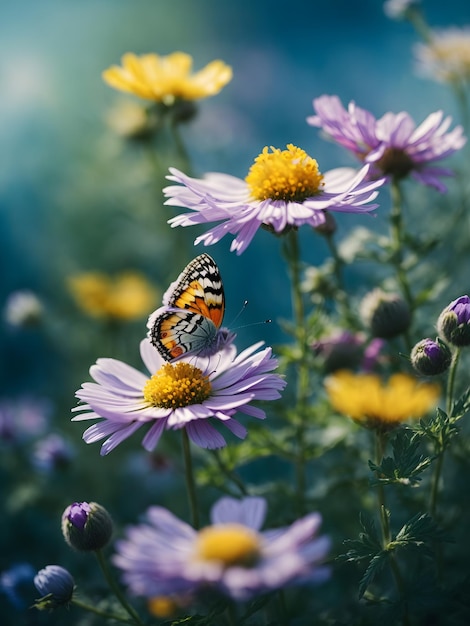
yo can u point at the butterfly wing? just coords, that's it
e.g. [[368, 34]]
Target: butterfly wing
[[192, 313], [199, 289], [175, 332]]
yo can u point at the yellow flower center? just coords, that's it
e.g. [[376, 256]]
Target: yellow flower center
[[290, 175], [178, 385], [229, 544], [162, 606]]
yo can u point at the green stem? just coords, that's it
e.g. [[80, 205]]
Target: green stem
[[380, 444], [282, 606], [341, 295], [190, 483], [416, 18], [397, 241], [462, 101], [451, 382], [435, 483], [101, 613], [181, 148], [229, 473], [441, 449], [116, 589], [292, 250]]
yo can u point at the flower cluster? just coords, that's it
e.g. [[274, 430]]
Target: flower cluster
[[348, 354]]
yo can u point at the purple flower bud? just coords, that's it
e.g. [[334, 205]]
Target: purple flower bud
[[453, 323], [341, 350], [86, 526], [77, 514], [56, 585], [430, 357]]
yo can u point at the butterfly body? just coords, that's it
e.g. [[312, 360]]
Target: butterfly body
[[192, 313]]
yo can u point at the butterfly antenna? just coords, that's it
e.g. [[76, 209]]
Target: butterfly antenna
[[232, 327], [245, 304]]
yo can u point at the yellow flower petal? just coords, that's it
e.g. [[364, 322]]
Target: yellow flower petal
[[127, 296], [167, 78], [369, 400]]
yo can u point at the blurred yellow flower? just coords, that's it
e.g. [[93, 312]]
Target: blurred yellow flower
[[162, 606], [367, 399], [167, 78], [128, 296], [446, 57]]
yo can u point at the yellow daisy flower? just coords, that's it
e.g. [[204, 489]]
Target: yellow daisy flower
[[167, 78], [128, 296], [370, 401]]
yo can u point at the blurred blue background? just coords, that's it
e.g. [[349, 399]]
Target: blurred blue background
[[75, 197]]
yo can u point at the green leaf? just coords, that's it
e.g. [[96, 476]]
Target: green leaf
[[405, 465], [461, 406], [375, 566], [421, 531], [439, 429], [367, 546]]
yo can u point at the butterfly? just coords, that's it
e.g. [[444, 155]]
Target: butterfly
[[192, 313]]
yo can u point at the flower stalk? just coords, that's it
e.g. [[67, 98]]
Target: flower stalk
[[135, 619], [292, 253], [190, 482], [104, 614], [441, 443], [381, 437], [397, 237], [341, 296]]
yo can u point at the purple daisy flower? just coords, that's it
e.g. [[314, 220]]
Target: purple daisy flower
[[283, 190], [186, 394], [393, 145], [166, 555]]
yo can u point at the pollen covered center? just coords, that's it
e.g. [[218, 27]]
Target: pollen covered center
[[175, 386], [290, 175], [229, 544]]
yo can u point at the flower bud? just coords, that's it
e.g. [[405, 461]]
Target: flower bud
[[453, 323], [430, 357], [386, 314], [56, 585], [341, 350], [86, 526]]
